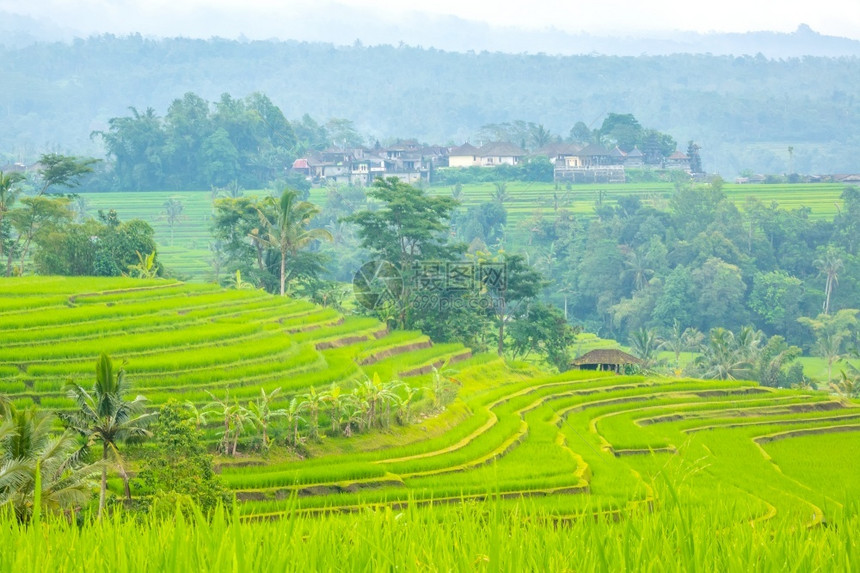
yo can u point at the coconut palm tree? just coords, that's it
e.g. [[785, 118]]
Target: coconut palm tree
[[287, 230], [172, 213], [829, 264], [105, 417], [644, 344], [31, 457], [724, 358]]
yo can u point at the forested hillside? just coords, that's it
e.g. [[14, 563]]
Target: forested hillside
[[745, 112]]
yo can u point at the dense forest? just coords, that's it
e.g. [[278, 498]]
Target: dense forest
[[745, 112]]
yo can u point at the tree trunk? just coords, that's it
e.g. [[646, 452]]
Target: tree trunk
[[103, 490], [283, 272], [501, 326]]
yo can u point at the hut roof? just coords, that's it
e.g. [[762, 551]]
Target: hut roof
[[607, 356]]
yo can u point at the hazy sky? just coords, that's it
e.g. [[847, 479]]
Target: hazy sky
[[271, 18]]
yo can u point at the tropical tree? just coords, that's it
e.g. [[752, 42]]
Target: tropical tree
[[312, 402], [335, 398], [831, 332], [35, 215], [180, 465], [105, 416], [293, 415], [722, 358], [286, 229], [8, 194], [33, 459], [262, 413], [644, 344], [63, 170], [848, 386], [444, 385], [145, 268], [408, 229], [829, 264], [172, 213], [222, 409], [198, 415]]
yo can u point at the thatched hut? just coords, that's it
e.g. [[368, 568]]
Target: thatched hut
[[606, 359]]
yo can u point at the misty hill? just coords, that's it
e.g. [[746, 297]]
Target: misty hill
[[743, 110]]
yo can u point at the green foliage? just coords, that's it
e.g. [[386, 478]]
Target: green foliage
[[106, 247], [39, 471], [543, 330], [105, 417], [180, 464]]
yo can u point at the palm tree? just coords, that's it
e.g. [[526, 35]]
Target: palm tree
[[637, 268], [32, 458], [644, 344], [172, 213], [829, 264], [724, 358], [105, 416], [287, 231], [8, 194], [500, 192], [239, 416], [675, 342]]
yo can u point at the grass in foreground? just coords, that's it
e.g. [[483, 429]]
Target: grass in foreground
[[486, 537]]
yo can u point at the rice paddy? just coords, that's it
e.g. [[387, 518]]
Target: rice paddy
[[523, 471], [515, 440]]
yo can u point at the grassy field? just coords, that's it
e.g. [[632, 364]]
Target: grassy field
[[568, 443], [186, 253], [523, 471]]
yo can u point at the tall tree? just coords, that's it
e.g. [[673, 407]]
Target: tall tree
[[36, 215], [8, 194], [56, 170], [106, 417], [511, 283], [409, 228], [286, 229], [171, 211], [829, 264]]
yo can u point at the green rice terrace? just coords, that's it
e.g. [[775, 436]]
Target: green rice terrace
[[562, 445]]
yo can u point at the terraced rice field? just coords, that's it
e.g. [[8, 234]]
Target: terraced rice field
[[182, 340], [188, 257], [558, 445]]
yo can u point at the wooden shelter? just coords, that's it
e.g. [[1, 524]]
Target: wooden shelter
[[606, 359]]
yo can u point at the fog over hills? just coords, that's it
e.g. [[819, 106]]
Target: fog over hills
[[744, 98], [345, 25]]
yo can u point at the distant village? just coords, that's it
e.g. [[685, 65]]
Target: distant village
[[412, 162]]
